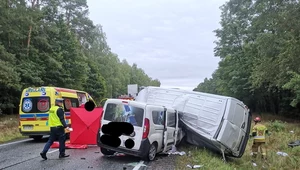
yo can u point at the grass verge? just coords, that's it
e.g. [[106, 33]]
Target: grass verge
[[277, 141], [9, 128]]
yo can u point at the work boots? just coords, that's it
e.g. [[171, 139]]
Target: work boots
[[43, 155], [63, 155]]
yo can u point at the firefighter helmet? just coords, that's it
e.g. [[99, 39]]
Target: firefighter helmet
[[257, 119]]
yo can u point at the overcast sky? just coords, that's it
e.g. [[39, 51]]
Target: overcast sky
[[171, 40]]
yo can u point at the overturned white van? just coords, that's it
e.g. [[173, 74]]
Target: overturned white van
[[219, 123]]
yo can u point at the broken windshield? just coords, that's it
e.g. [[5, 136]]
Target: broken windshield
[[124, 113]]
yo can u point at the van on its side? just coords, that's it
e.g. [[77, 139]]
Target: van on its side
[[156, 128], [220, 123]]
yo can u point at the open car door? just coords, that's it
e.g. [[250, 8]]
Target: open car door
[[171, 129]]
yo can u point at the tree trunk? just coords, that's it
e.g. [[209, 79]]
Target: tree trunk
[[28, 39], [33, 3]]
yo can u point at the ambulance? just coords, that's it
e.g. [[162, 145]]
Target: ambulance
[[35, 103]]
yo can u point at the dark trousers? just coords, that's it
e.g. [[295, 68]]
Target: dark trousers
[[56, 133]]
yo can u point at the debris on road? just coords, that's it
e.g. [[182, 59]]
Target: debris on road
[[195, 166], [115, 154], [282, 154], [253, 163], [294, 144], [82, 158], [174, 151], [177, 153], [136, 164]]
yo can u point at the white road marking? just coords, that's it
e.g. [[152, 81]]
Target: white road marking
[[53, 151], [20, 141], [137, 167]]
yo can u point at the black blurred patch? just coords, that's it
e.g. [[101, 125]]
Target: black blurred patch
[[129, 143], [89, 106], [113, 130], [113, 141]]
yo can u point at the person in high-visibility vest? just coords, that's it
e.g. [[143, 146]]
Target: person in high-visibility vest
[[259, 132], [57, 124]]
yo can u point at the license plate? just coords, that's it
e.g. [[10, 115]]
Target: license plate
[[27, 127]]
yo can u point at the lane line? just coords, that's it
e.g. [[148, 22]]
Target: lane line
[[137, 167], [27, 160], [19, 163], [11, 143], [53, 151]]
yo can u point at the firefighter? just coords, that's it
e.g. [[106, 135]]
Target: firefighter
[[259, 132], [57, 125]]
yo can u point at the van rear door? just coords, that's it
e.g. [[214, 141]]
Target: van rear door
[[126, 112], [35, 113]]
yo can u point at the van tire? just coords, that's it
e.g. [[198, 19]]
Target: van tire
[[151, 153], [37, 138], [106, 151]]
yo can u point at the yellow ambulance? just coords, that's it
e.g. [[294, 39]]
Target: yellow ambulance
[[35, 103]]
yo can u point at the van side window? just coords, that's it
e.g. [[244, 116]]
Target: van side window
[[171, 119], [158, 117], [70, 102], [82, 98]]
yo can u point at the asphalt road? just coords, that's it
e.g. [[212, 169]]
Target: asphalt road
[[25, 155]]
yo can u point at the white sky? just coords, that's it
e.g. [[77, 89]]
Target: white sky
[[171, 40]]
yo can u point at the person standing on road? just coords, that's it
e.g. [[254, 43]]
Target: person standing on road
[[57, 125], [259, 132]]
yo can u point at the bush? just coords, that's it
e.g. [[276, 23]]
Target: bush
[[276, 126]]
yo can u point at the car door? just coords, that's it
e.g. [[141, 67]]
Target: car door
[[158, 126], [170, 130]]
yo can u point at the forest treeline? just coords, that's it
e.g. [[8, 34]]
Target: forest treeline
[[54, 43], [259, 47]]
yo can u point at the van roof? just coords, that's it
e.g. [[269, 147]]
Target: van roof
[[56, 88], [190, 92]]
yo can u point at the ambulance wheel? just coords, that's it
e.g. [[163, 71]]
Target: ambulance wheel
[[106, 151], [37, 138], [151, 153]]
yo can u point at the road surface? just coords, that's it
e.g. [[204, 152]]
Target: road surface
[[24, 155]]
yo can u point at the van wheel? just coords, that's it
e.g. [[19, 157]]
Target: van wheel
[[37, 138], [151, 153], [106, 151]]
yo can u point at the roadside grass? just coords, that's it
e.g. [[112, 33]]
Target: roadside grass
[[9, 128], [278, 141]]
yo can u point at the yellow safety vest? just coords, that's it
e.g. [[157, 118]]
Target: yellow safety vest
[[53, 118], [260, 133]]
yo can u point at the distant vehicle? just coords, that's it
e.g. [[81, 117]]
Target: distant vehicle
[[126, 97], [36, 102], [156, 128], [219, 123]]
